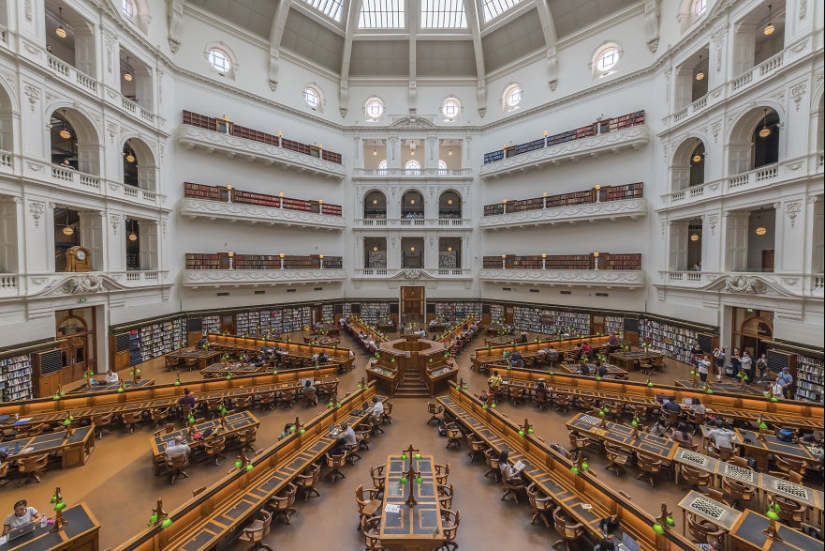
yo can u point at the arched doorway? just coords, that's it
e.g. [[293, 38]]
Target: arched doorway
[[753, 330], [75, 330]]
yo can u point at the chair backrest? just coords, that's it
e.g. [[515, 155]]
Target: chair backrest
[[694, 476], [786, 464], [795, 477], [215, 445], [648, 463], [702, 530], [33, 464], [177, 462], [377, 474], [740, 462], [335, 460], [736, 489]]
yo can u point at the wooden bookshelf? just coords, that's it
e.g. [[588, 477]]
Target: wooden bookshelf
[[606, 193], [224, 193], [204, 193], [607, 261], [197, 261], [675, 340]]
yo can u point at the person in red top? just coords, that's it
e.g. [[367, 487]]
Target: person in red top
[[586, 349]]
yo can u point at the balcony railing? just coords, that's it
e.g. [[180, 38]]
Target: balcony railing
[[7, 159], [60, 67], [757, 73], [136, 109], [254, 214], [378, 173], [32, 285], [608, 279], [781, 285], [413, 273], [9, 285], [89, 183], [417, 223], [255, 278]]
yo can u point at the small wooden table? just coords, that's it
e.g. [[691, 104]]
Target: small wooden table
[[416, 528], [746, 535], [630, 360], [80, 533], [701, 506], [192, 358]]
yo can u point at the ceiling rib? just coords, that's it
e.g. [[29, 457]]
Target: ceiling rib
[[275, 37], [353, 12], [474, 23]]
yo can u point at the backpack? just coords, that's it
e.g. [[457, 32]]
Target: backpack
[[442, 429], [786, 435]]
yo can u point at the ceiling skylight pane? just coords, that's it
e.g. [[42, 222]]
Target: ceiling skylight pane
[[381, 14], [330, 8], [443, 14], [494, 8]]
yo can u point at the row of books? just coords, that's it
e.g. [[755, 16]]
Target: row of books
[[219, 261], [226, 127], [16, 378], [810, 376], [671, 340], [371, 312], [458, 310], [547, 321], [600, 127], [613, 324], [606, 261], [157, 339], [604, 194], [225, 193]]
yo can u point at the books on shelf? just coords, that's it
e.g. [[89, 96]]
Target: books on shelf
[[613, 324], [224, 193], [810, 378], [372, 312], [457, 310], [606, 193], [211, 324], [671, 340], [550, 321], [150, 341], [197, 261], [16, 378]]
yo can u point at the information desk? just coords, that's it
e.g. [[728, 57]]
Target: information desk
[[704, 508], [630, 360], [764, 484], [234, 424], [80, 533], [416, 528], [111, 387], [762, 449], [654, 446], [192, 359], [74, 450], [729, 387], [747, 535]]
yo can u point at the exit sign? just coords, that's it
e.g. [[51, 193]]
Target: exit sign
[[81, 299]]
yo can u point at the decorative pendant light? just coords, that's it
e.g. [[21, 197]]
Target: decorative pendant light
[[697, 158], [130, 154], [765, 131], [67, 230], [127, 74], [769, 28], [132, 235], [761, 230], [700, 75], [64, 132], [60, 31], [694, 237]]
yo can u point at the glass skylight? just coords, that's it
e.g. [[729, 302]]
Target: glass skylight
[[494, 8], [381, 14], [443, 14], [330, 8]]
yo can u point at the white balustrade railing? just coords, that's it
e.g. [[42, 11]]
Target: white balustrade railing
[[738, 181], [681, 114], [699, 104], [64, 69], [129, 105], [3, 38], [130, 191], [59, 66], [148, 196], [63, 174], [771, 64], [766, 173], [86, 82], [8, 281], [88, 180], [132, 276], [742, 81], [818, 283], [412, 222], [413, 172], [6, 159]]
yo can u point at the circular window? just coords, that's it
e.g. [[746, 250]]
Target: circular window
[[312, 97], [219, 60], [374, 109], [513, 96], [607, 58], [128, 8], [450, 109], [699, 7]]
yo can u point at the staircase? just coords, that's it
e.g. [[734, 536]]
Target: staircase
[[411, 386]]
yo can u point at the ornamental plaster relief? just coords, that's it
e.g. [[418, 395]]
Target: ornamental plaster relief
[[216, 278], [588, 278], [632, 208], [195, 208]]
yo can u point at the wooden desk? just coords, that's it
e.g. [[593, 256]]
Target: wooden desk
[[74, 450], [416, 528], [79, 534], [729, 387], [192, 358], [761, 451], [235, 423], [613, 372], [704, 508], [498, 329], [630, 360], [655, 446], [746, 535], [111, 387], [232, 368], [235, 344]]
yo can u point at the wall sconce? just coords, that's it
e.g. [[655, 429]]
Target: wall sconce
[[229, 187], [320, 146], [230, 254], [320, 201], [281, 255], [503, 257], [543, 255], [226, 118]]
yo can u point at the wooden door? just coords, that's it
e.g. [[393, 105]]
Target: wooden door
[[412, 304], [767, 260], [228, 324]]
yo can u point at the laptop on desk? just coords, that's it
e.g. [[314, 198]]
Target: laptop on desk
[[20, 531]]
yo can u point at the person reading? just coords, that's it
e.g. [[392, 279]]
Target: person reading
[[377, 408], [495, 382], [177, 448], [309, 390], [721, 437], [22, 515], [345, 438], [187, 400], [111, 377]]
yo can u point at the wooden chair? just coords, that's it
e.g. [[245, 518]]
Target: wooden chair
[[363, 433], [309, 398], [257, 530], [243, 402], [434, 410], [378, 477], [562, 402], [454, 436], [541, 504], [32, 467], [213, 406], [247, 436], [723, 453], [566, 528], [786, 464], [491, 457], [175, 467], [29, 431], [703, 531], [130, 419], [158, 416], [540, 400], [649, 467], [185, 413], [512, 486], [371, 528], [307, 480], [282, 503], [445, 495], [617, 457], [740, 462], [578, 444], [267, 401], [477, 447], [790, 512], [102, 421], [288, 398], [352, 453], [516, 395], [213, 448], [367, 501], [449, 524], [735, 492], [335, 462], [4, 473], [696, 478], [387, 418], [442, 473]]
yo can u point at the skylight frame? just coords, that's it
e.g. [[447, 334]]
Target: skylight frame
[[443, 14], [382, 14], [334, 9], [492, 9]]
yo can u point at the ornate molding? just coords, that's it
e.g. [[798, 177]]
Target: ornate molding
[[33, 93], [792, 210], [237, 278], [238, 212], [587, 212], [36, 209], [191, 136], [634, 137], [769, 285], [413, 122], [114, 220], [568, 278], [797, 93]]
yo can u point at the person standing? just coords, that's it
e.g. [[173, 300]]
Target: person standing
[[746, 366], [762, 366], [736, 362], [703, 366], [719, 360], [785, 380]]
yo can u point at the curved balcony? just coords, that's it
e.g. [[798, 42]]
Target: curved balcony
[[451, 174], [252, 214], [61, 284], [195, 279], [604, 279], [755, 283], [412, 223], [585, 212]]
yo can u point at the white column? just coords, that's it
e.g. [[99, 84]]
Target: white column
[[92, 236], [789, 242], [430, 252], [712, 239], [38, 235], [118, 231]]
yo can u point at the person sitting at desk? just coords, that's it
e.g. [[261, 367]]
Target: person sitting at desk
[[201, 343], [606, 544], [541, 385], [671, 406], [345, 438], [323, 358], [815, 438], [377, 408], [187, 400], [495, 382], [552, 355], [111, 377], [682, 435], [309, 389], [287, 430], [523, 337], [586, 349], [601, 369], [516, 360], [612, 343], [712, 545], [697, 407], [507, 470], [177, 449], [721, 437], [584, 369], [22, 515]]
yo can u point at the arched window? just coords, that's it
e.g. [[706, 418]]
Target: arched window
[[765, 140], [382, 165], [128, 8], [312, 97], [375, 206], [512, 97], [442, 167], [413, 166], [451, 109], [605, 59], [374, 109]]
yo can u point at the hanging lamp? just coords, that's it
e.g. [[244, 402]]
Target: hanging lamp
[[127, 74], [701, 74], [67, 230], [60, 31], [132, 235], [769, 28], [765, 131], [130, 154], [64, 132]]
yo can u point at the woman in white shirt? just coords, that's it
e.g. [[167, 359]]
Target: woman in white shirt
[[111, 377], [22, 515]]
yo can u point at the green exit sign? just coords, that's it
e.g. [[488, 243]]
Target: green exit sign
[[81, 299]]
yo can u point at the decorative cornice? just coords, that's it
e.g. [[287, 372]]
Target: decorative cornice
[[237, 212], [635, 137], [767, 285], [238, 278], [192, 136], [568, 278], [587, 212]]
